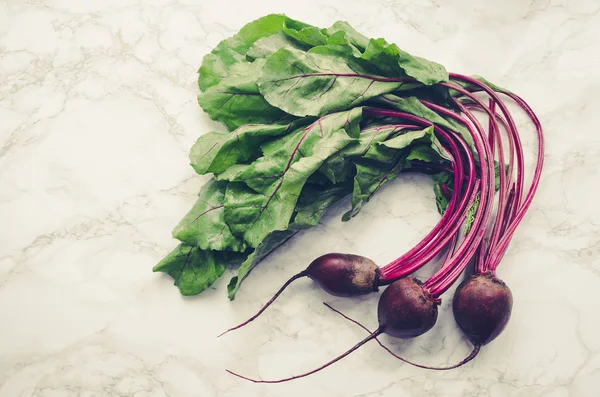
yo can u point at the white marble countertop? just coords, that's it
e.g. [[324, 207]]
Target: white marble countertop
[[97, 113]]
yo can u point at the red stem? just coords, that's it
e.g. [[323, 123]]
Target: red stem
[[401, 266], [512, 128], [449, 273], [500, 249]]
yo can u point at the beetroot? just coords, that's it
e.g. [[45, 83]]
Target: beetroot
[[405, 310], [338, 274], [482, 305], [344, 274]]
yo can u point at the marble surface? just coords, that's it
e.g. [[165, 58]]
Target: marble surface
[[97, 113]]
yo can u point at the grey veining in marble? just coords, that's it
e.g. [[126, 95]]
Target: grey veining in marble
[[97, 113]]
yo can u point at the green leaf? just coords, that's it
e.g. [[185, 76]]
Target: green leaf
[[386, 150], [443, 187], [341, 39], [266, 46], [276, 154], [384, 161], [474, 88], [266, 199], [215, 152], [232, 172], [359, 41], [204, 225], [268, 245], [424, 153], [470, 217], [339, 167], [395, 62], [236, 101], [307, 84], [193, 269], [311, 206], [313, 203], [497, 174], [414, 106], [370, 177], [310, 36], [216, 65]]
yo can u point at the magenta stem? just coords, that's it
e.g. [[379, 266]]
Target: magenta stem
[[512, 132], [500, 249], [408, 262], [450, 271]]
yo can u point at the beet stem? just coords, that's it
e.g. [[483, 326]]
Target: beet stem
[[447, 226], [502, 245], [303, 273], [470, 357], [327, 364], [513, 131], [450, 271]]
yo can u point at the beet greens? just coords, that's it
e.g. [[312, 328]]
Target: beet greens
[[314, 115]]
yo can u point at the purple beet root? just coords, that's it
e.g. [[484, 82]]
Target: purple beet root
[[405, 310], [338, 274], [482, 305], [344, 274]]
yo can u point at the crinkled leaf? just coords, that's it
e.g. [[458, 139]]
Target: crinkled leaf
[[370, 177], [412, 105], [385, 151], [268, 245], [256, 214], [490, 84], [310, 36], [340, 167], [236, 101], [232, 172], [395, 62], [424, 153], [383, 162], [352, 36], [347, 53], [443, 187], [470, 217], [312, 84], [348, 121], [215, 152], [437, 152], [311, 206], [314, 201], [266, 199], [204, 225], [266, 46], [474, 88], [216, 65], [437, 94], [193, 269], [340, 38], [279, 155]]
